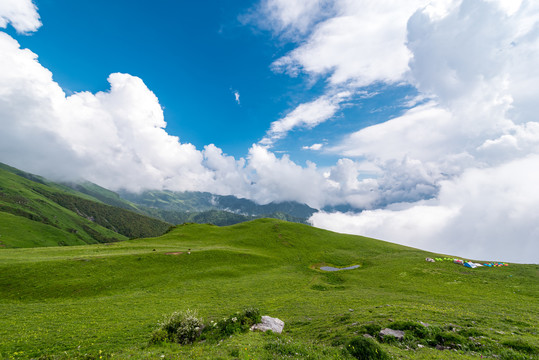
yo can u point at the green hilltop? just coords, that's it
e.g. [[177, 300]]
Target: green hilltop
[[104, 301]]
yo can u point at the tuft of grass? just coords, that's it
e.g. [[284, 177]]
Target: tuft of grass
[[366, 349], [521, 346]]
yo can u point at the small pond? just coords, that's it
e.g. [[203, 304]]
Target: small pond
[[331, 268]]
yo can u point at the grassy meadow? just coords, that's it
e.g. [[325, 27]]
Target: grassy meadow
[[103, 301]]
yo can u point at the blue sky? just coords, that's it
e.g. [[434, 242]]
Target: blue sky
[[190, 54], [194, 56], [420, 115]]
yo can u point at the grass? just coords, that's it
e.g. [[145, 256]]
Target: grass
[[105, 301], [17, 231], [30, 205]]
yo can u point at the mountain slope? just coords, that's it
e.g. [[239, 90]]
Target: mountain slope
[[78, 218], [91, 301], [101, 194]]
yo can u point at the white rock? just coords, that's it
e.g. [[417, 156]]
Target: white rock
[[269, 323], [396, 333]]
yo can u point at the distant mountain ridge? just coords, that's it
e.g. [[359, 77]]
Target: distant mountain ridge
[[35, 211], [192, 201], [195, 207]]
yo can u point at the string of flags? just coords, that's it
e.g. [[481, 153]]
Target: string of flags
[[469, 264]]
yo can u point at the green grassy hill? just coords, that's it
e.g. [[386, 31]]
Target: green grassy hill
[[31, 205], [103, 302]]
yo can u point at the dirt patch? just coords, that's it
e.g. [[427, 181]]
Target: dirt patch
[[174, 253]]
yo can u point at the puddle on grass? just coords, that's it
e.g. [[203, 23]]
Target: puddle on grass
[[331, 268]]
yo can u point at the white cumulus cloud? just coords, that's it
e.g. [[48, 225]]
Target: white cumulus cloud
[[115, 138], [21, 14], [364, 42], [314, 147]]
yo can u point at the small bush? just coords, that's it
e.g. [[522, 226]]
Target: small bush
[[372, 329], [185, 327], [366, 349], [180, 327], [239, 322]]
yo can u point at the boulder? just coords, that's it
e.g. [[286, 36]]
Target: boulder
[[398, 334], [269, 323]]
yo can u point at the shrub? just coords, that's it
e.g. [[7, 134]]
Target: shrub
[[185, 327], [181, 327], [372, 329], [237, 323], [365, 349]]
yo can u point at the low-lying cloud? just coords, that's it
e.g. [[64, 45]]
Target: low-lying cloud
[[483, 214]]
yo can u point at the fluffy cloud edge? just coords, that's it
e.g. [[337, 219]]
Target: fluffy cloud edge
[[464, 220], [21, 14]]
